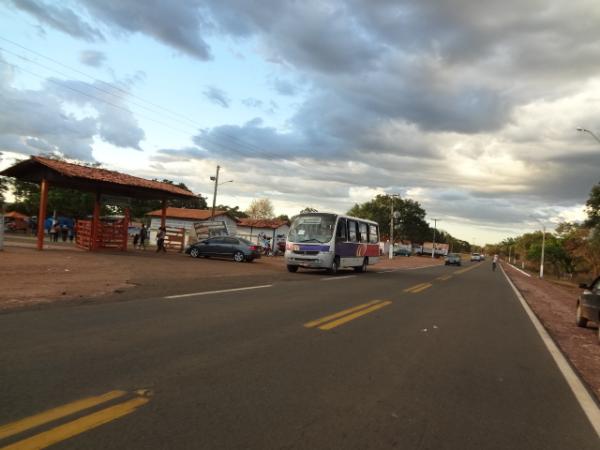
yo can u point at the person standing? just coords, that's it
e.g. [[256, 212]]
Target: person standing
[[143, 237], [160, 239], [494, 262]]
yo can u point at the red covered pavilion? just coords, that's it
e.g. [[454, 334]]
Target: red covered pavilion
[[50, 172]]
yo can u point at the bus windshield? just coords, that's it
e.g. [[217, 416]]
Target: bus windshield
[[312, 228]]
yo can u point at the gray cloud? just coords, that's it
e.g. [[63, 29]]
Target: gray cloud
[[92, 58], [285, 87], [252, 102], [61, 18], [217, 96], [34, 121], [177, 24]]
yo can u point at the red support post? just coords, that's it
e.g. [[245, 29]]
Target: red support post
[[163, 216], [95, 223], [42, 213], [125, 230]]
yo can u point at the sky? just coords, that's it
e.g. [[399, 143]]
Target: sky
[[469, 107]]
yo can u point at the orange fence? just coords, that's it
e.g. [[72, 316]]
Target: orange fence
[[175, 238], [110, 234]]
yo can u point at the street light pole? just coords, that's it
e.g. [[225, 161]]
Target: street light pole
[[585, 130], [543, 247], [435, 221], [391, 249], [216, 180]]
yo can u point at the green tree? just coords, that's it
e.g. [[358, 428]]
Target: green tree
[[66, 202], [410, 224], [593, 207]]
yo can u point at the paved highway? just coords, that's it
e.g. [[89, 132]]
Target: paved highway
[[437, 358]]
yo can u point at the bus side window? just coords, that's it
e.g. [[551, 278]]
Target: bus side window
[[340, 233], [373, 237], [362, 232], [352, 231]]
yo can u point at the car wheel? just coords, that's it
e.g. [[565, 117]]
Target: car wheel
[[292, 269], [194, 253], [579, 319], [239, 257], [335, 265]]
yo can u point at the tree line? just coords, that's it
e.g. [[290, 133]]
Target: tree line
[[410, 223], [571, 251]]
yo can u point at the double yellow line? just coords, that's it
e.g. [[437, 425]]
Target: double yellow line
[[418, 288], [342, 317], [74, 427]]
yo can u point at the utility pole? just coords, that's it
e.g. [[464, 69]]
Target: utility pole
[[543, 246], [435, 221], [509, 253], [216, 180], [391, 249]]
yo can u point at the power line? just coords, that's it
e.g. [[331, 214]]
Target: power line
[[117, 88], [186, 133]]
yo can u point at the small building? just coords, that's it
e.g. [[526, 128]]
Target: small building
[[251, 229], [186, 218]]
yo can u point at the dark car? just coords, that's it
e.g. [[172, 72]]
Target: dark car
[[225, 247], [401, 252], [588, 305], [453, 259]]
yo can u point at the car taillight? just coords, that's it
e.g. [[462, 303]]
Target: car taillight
[[253, 247]]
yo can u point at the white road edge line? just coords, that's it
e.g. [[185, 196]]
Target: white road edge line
[[194, 294], [387, 271], [337, 278], [522, 271], [587, 403]]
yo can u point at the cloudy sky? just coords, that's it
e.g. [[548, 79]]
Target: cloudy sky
[[468, 106]]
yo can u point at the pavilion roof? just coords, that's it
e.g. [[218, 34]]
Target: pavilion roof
[[188, 213], [75, 176]]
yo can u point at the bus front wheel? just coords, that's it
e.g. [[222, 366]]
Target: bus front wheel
[[335, 265]]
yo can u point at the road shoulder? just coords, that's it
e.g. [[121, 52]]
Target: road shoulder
[[554, 306]]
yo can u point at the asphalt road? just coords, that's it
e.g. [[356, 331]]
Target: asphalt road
[[437, 358]]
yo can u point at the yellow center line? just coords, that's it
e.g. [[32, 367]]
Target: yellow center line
[[444, 278], [56, 413], [466, 270], [322, 320], [417, 286], [343, 320], [422, 288], [78, 426]]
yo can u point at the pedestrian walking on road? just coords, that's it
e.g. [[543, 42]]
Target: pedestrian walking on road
[[494, 262], [160, 239], [143, 236]]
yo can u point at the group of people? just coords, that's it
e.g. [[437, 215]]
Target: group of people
[[141, 237], [64, 231]]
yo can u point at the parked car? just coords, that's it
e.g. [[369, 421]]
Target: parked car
[[225, 247], [401, 252], [453, 259], [588, 305], [475, 257]]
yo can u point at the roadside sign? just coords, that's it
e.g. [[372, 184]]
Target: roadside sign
[[210, 228]]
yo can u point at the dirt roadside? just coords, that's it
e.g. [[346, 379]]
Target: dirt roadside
[[554, 305], [64, 274]]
